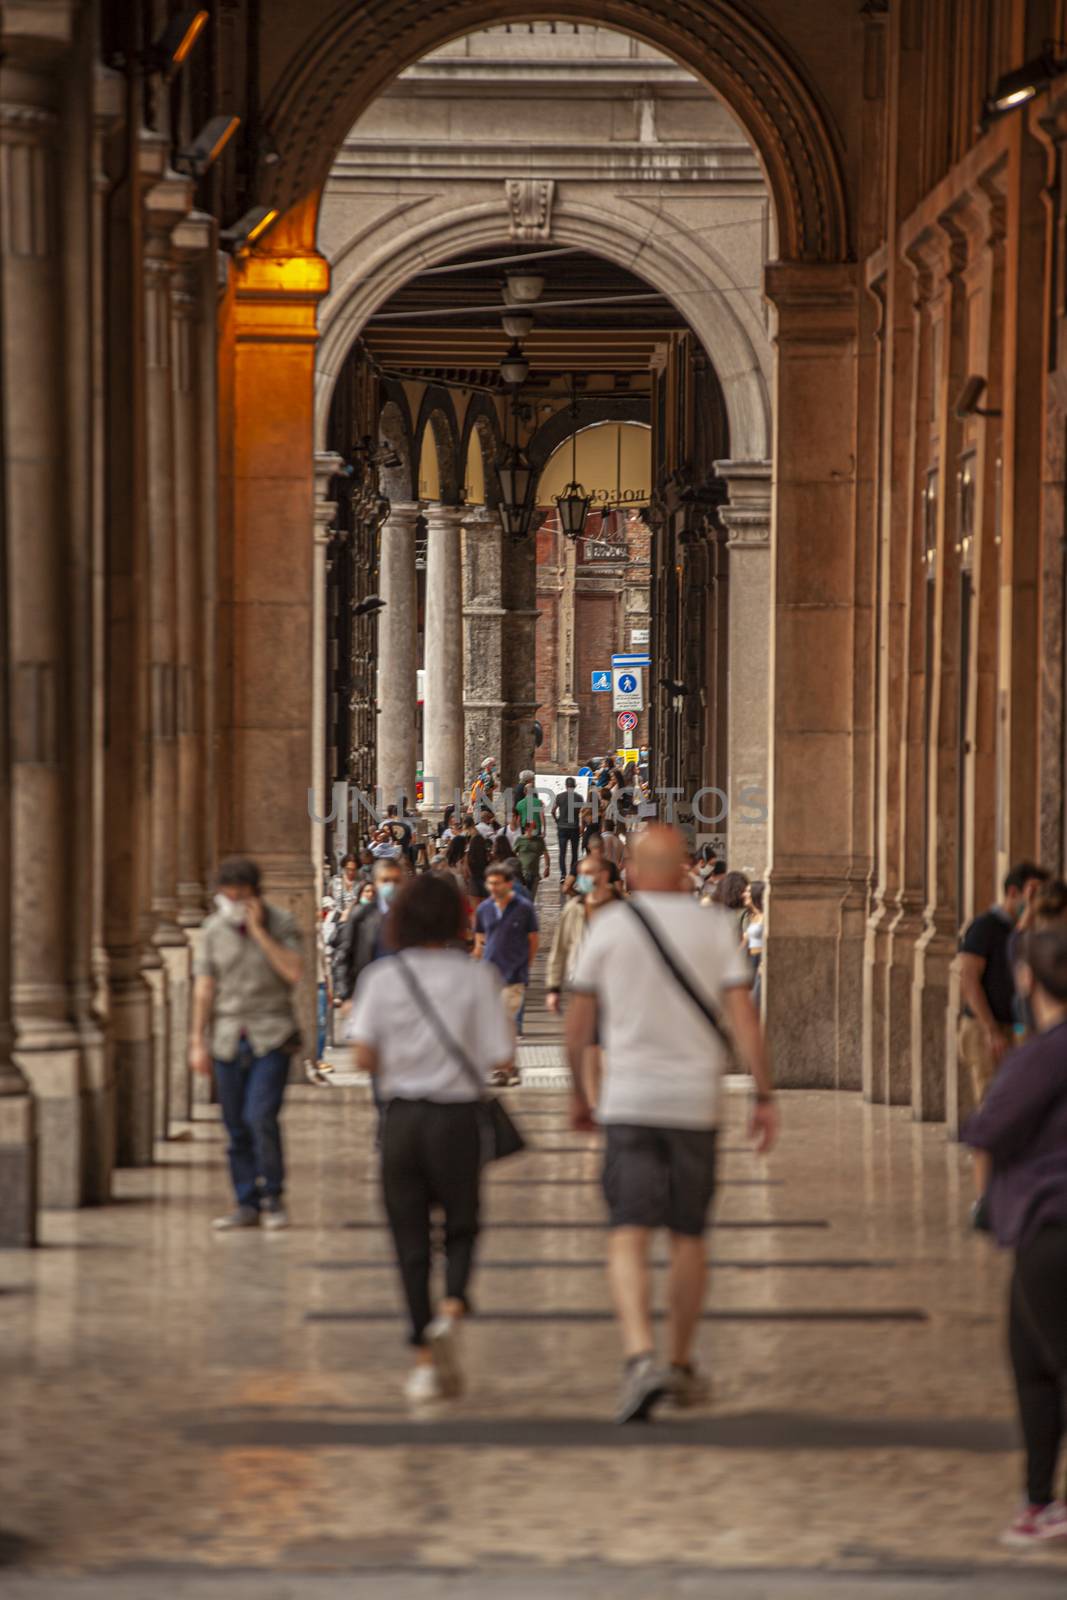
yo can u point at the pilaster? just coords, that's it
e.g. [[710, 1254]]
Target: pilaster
[[813, 610], [483, 623], [324, 512], [747, 519], [49, 1049]]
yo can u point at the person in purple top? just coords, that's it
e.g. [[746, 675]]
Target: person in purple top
[[1022, 1125]]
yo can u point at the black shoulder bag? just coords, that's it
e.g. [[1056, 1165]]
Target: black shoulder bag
[[677, 974], [500, 1136]]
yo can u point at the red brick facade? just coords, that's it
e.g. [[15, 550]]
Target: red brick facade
[[611, 604]]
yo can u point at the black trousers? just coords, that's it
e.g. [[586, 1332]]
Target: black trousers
[[431, 1156], [1037, 1339], [568, 837]]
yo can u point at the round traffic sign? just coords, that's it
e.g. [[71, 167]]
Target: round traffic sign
[[627, 683], [627, 721]]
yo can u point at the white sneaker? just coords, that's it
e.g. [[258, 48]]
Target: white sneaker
[[442, 1336], [242, 1217], [422, 1384], [274, 1215]]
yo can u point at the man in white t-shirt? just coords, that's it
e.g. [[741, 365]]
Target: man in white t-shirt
[[659, 1101]]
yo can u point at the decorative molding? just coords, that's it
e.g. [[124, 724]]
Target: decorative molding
[[26, 184], [354, 52], [530, 205]]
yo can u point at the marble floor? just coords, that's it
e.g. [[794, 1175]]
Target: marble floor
[[193, 1414]]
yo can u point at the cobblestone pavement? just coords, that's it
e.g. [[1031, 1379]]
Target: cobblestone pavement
[[192, 1415]]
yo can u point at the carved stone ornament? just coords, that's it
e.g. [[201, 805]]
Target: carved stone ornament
[[530, 205]]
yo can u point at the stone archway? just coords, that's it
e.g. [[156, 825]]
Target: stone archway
[[357, 51], [821, 673], [688, 275]]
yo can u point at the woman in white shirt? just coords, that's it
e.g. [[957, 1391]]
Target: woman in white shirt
[[430, 1025]]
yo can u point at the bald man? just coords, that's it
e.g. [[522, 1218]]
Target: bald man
[[656, 980]]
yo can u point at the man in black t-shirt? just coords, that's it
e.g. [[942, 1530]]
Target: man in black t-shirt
[[987, 983], [567, 810]]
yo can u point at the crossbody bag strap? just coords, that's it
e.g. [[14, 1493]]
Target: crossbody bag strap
[[674, 969], [425, 1005]]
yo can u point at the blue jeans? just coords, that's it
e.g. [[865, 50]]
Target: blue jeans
[[251, 1090], [321, 1014]]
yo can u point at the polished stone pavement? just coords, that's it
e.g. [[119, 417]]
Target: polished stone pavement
[[190, 1414]]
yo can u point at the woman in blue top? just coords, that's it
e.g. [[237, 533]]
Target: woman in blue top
[[1022, 1124]]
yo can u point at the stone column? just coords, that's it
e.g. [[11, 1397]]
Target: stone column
[[747, 519], [33, 372], [443, 698], [397, 654], [18, 1123], [567, 705], [191, 239], [812, 658], [327, 465], [127, 768], [483, 619], [167, 955], [264, 737], [518, 677]]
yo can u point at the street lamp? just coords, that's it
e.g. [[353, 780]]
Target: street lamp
[[573, 503], [517, 480]]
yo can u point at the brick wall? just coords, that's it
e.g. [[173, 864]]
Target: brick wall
[[610, 600]]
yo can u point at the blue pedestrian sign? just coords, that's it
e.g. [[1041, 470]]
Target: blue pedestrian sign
[[627, 683], [602, 682], [627, 686]]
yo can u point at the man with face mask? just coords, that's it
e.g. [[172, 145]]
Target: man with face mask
[[592, 889], [362, 938], [243, 1028]]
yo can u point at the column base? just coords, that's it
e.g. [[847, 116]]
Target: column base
[[192, 903], [52, 1067], [155, 976], [177, 965], [852, 928], [929, 1026], [100, 1116], [875, 960], [132, 1044], [18, 1171], [904, 932]]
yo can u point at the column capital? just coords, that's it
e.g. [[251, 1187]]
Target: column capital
[[816, 304], [447, 516], [277, 297], [747, 516], [403, 511]]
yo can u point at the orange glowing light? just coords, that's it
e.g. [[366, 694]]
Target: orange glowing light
[[261, 227], [197, 23]]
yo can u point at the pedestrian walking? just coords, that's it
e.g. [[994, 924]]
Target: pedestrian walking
[[566, 812], [593, 889], [659, 980], [531, 851], [362, 939], [244, 1030], [429, 1027], [1021, 1129], [506, 936]]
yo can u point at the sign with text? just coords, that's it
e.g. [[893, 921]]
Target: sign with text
[[628, 694]]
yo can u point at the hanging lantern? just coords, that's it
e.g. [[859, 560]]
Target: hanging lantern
[[517, 480], [573, 508], [515, 368]]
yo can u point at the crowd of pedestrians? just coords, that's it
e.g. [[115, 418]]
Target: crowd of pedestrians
[[655, 963]]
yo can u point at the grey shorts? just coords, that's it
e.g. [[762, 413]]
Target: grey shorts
[[659, 1177]]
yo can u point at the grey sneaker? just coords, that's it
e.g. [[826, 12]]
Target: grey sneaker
[[274, 1214], [643, 1387], [688, 1388], [243, 1217], [442, 1336]]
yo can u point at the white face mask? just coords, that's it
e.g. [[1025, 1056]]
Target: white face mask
[[232, 910]]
